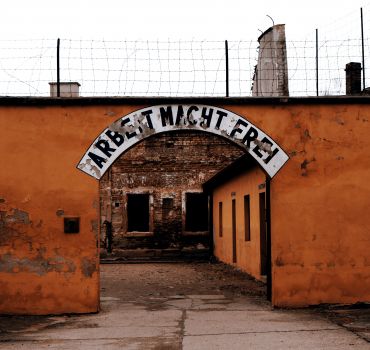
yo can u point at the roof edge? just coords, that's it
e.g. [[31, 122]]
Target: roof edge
[[83, 101], [237, 167]]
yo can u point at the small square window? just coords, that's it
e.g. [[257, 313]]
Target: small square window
[[72, 225]]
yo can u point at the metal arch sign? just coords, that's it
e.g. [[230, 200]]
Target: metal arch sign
[[134, 127]]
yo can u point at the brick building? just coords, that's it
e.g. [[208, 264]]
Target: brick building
[[152, 195]]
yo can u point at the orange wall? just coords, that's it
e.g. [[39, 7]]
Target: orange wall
[[247, 252], [42, 269], [319, 202]]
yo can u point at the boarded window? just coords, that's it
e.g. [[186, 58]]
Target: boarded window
[[138, 212], [220, 219], [196, 218], [247, 218]]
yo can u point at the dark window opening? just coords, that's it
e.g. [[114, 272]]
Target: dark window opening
[[247, 218], [196, 212], [167, 203], [72, 225], [167, 206], [220, 219], [138, 212]]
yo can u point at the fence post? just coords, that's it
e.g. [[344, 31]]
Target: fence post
[[227, 67], [58, 68], [317, 62], [363, 51]]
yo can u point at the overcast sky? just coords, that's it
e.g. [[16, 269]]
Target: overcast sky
[[162, 19], [111, 46]]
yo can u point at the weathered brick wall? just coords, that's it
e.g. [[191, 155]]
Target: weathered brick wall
[[166, 166]]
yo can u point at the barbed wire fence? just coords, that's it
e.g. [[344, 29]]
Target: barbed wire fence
[[180, 68], [339, 42]]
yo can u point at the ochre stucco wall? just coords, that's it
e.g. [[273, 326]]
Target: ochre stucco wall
[[247, 252], [319, 203], [42, 269]]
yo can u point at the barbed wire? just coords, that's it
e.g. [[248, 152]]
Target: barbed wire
[[176, 68]]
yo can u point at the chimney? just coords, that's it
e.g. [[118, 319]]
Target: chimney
[[353, 78], [271, 72], [71, 89]]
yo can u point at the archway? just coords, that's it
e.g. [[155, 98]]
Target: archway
[[134, 127], [153, 198]]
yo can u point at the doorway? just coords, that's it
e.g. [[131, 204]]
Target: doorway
[[138, 212], [263, 234], [174, 220], [233, 215], [196, 218]]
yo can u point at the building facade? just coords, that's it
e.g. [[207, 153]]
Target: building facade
[[152, 195], [315, 152], [240, 227]]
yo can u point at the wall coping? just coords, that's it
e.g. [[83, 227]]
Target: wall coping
[[87, 101]]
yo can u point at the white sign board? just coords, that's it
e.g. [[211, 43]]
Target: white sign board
[[124, 133]]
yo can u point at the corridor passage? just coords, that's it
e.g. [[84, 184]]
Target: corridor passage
[[179, 306]]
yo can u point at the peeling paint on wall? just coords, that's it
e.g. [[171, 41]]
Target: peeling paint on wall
[[95, 228], [38, 265], [8, 230], [15, 216], [88, 267], [304, 166]]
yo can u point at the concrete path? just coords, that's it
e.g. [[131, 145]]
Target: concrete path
[[212, 313]]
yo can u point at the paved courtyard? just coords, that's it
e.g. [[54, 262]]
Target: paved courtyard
[[180, 306]]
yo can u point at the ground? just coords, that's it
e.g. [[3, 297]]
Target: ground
[[187, 306]]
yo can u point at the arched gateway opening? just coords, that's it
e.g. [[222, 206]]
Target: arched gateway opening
[[152, 201], [129, 130], [156, 199]]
